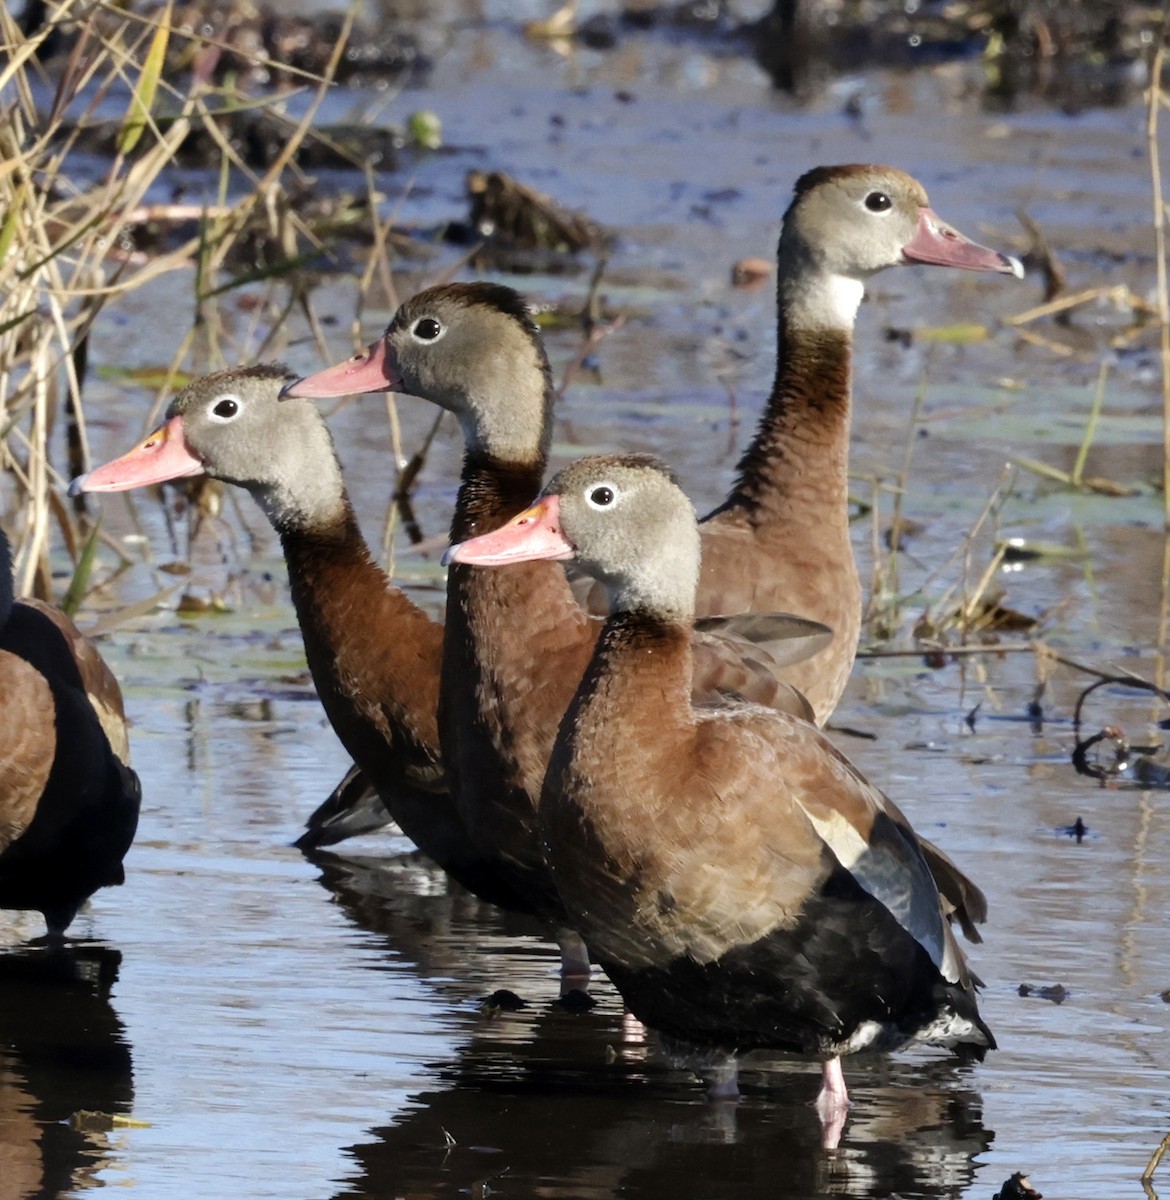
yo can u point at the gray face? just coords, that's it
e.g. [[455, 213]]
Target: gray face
[[633, 528], [456, 348], [245, 434], [855, 220], [280, 450]]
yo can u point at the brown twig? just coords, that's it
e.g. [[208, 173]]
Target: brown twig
[[592, 340], [1163, 313], [1152, 1165]]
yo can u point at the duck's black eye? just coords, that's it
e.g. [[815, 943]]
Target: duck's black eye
[[878, 202], [427, 328], [226, 408], [601, 497]]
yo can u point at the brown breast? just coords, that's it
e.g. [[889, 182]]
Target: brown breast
[[27, 747], [68, 802], [96, 678]]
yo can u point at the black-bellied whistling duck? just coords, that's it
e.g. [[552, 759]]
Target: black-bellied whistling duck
[[781, 538], [373, 654], [474, 350], [740, 882], [68, 798], [780, 541]]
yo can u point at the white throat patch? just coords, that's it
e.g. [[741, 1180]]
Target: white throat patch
[[835, 302]]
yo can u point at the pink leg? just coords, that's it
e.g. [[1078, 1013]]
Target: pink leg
[[574, 961], [722, 1079], [832, 1103]]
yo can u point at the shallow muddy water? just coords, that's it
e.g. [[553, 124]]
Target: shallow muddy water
[[237, 1021]]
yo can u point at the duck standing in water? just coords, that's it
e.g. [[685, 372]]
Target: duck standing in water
[[741, 883], [374, 655], [68, 799], [474, 350]]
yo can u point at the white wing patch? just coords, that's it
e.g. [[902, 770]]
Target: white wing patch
[[909, 894], [840, 836]]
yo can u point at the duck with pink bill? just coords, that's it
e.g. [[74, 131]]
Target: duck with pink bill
[[374, 655], [475, 350], [780, 541], [738, 879]]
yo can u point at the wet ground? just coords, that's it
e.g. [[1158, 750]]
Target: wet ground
[[236, 1021]]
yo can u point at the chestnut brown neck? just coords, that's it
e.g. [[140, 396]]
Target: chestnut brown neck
[[515, 646], [800, 453], [492, 492], [370, 649], [640, 675]]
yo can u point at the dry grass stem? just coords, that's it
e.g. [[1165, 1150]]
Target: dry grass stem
[[1156, 100], [1118, 294], [1152, 1165], [67, 254]]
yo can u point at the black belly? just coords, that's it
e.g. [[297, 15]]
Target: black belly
[[807, 989]]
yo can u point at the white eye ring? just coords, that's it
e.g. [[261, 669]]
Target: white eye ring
[[878, 203], [226, 407], [434, 330], [602, 495]]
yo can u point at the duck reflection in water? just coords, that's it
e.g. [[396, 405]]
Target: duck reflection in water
[[65, 1066], [544, 1102]]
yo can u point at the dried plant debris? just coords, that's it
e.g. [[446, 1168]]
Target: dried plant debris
[[501, 1000], [1077, 53], [606, 30], [1078, 831], [1022, 550], [751, 273], [1057, 993], [1108, 755], [523, 229], [1018, 1187], [984, 615], [255, 45], [258, 137], [340, 225], [1041, 257], [901, 531], [575, 1001]]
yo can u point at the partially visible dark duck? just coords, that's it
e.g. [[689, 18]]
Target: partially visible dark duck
[[68, 798], [740, 882], [475, 350], [780, 542]]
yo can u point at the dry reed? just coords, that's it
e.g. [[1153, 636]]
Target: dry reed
[[68, 256]]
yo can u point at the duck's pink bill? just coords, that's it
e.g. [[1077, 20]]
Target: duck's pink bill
[[533, 534], [159, 457], [941, 245], [369, 371]]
